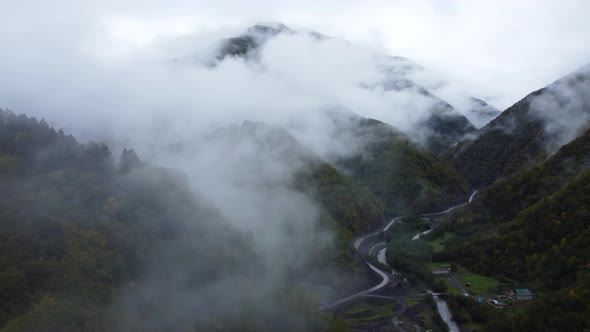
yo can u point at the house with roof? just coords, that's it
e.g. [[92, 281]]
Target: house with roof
[[521, 294]]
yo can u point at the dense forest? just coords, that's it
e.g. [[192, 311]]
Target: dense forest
[[519, 206], [544, 245], [407, 178], [195, 172], [509, 143], [78, 230], [533, 228], [503, 201], [525, 134], [85, 235], [346, 207], [91, 243], [447, 128]]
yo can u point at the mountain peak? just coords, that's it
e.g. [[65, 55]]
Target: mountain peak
[[250, 40], [268, 28]]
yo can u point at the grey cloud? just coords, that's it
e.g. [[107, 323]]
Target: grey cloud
[[564, 107], [87, 68]]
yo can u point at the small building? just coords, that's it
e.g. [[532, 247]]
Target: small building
[[440, 273], [496, 304], [521, 294]]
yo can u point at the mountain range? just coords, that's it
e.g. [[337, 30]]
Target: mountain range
[[528, 132], [442, 127], [94, 243]]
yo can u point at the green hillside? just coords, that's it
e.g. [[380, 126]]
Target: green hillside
[[504, 200], [447, 127], [534, 228], [509, 143], [520, 137], [89, 243], [407, 178], [77, 232], [514, 223], [345, 207]]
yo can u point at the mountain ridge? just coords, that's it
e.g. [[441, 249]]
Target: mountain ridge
[[443, 127], [517, 138]]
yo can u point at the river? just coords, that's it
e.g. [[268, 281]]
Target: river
[[445, 313]]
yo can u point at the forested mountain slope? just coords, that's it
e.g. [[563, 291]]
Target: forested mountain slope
[[528, 132], [542, 205], [509, 143], [94, 244], [77, 232], [345, 206], [407, 178], [442, 125], [534, 228], [505, 199], [545, 247]]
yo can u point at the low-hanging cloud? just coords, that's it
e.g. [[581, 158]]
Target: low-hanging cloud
[[564, 107], [158, 93], [154, 92], [188, 115]]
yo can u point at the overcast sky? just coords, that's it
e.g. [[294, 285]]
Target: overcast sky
[[496, 50]]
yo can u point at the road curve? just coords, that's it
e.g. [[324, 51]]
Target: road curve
[[436, 214], [385, 277], [360, 240], [395, 319], [381, 256], [391, 223], [417, 236], [382, 243], [384, 282]]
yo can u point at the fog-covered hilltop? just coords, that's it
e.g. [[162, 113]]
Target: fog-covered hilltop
[[529, 225], [90, 242], [86, 236], [437, 126], [175, 172], [527, 132], [408, 178]]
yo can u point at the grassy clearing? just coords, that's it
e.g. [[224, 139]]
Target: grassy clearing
[[438, 243], [387, 310], [412, 301], [357, 309], [479, 284], [451, 286]]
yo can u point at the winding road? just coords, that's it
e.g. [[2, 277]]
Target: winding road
[[436, 214], [361, 245], [384, 282]]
